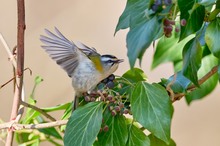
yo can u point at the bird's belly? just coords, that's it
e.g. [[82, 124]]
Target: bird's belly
[[85, 78]]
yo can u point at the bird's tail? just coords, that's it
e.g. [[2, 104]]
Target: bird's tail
[[76, 102]]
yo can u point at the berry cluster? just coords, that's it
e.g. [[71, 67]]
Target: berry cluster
[[168, 27], [109, 81], [160, 4], [104, 127]]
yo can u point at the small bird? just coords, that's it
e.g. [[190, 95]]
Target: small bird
[[84, 65]]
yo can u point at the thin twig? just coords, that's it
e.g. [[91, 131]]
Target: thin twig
[[201, 81], [15, 114], [38, 109], [16, 126]]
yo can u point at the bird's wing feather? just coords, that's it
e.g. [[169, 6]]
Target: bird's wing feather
[[64, 51], [60, 49]]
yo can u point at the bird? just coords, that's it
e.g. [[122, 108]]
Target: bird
[[83, 64]]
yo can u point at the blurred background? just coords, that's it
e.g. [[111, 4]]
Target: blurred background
[[93, 23]]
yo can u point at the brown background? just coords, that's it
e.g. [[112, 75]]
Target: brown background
[[92, 22]]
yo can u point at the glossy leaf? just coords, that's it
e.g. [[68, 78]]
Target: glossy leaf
[[208, 63], [57, 107], [206, 2], [133, 14], [194, 15], [192, 56], [137, 137], [212, 37], [117, 134], [152, 108], [154, 141], [84, 125], [169, 49], [51, 132], [135, 75], [140, 37], [180, 83]]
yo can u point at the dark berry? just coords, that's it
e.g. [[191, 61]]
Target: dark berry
[[105, 80], [110, 97], [111, 77], [168, 35], [110, 84], [167, 2], [168, 29], [172, 22], [166, 22], [93, 99], [154, 7], [126, 111], [105, 128], [177, 29], [100, 130], [158, 2], [183, 22], [87, 98], [113, 112], [117, 108], [121, 105]]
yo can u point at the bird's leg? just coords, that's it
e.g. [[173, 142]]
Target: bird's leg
[[76, 103]]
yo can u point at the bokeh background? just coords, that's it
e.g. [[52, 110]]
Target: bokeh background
[[92, 22]]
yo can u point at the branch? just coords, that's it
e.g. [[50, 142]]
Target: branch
[[20, 67], [16, 126], [38, 109], [201, 81]]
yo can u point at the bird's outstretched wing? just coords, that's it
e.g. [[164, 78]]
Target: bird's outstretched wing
[[64, 51]]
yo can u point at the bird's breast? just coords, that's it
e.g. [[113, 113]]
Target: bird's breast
[[85, 77]]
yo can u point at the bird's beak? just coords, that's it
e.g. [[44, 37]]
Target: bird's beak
[[119, 60]]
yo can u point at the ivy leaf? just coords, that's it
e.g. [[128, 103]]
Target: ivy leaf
[[117, 134], [137, 137], [84, 125], [140, 37], [133, 14], [51, 131], [57, 107], [169, 49], [192, 56], [180, 83], [152, 108], [135, 75], [194, 15], [207, 87], [206, 2], [154, 141], [212, 35]]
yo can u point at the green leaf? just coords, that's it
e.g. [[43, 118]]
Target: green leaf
[[51, 131], [194, 15], [84, 125], [135, 75], [212, 37], [208, 63], [169, 49], [192, 56], [57, 107], [133, 14], [180, 83], [154, 141], [206, 2], [117, 134], [139, 38], [152, 108], [137, 137], [38, 80]]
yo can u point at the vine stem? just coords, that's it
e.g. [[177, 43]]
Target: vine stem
[[16, 126], [201, 81], [15, 114]]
